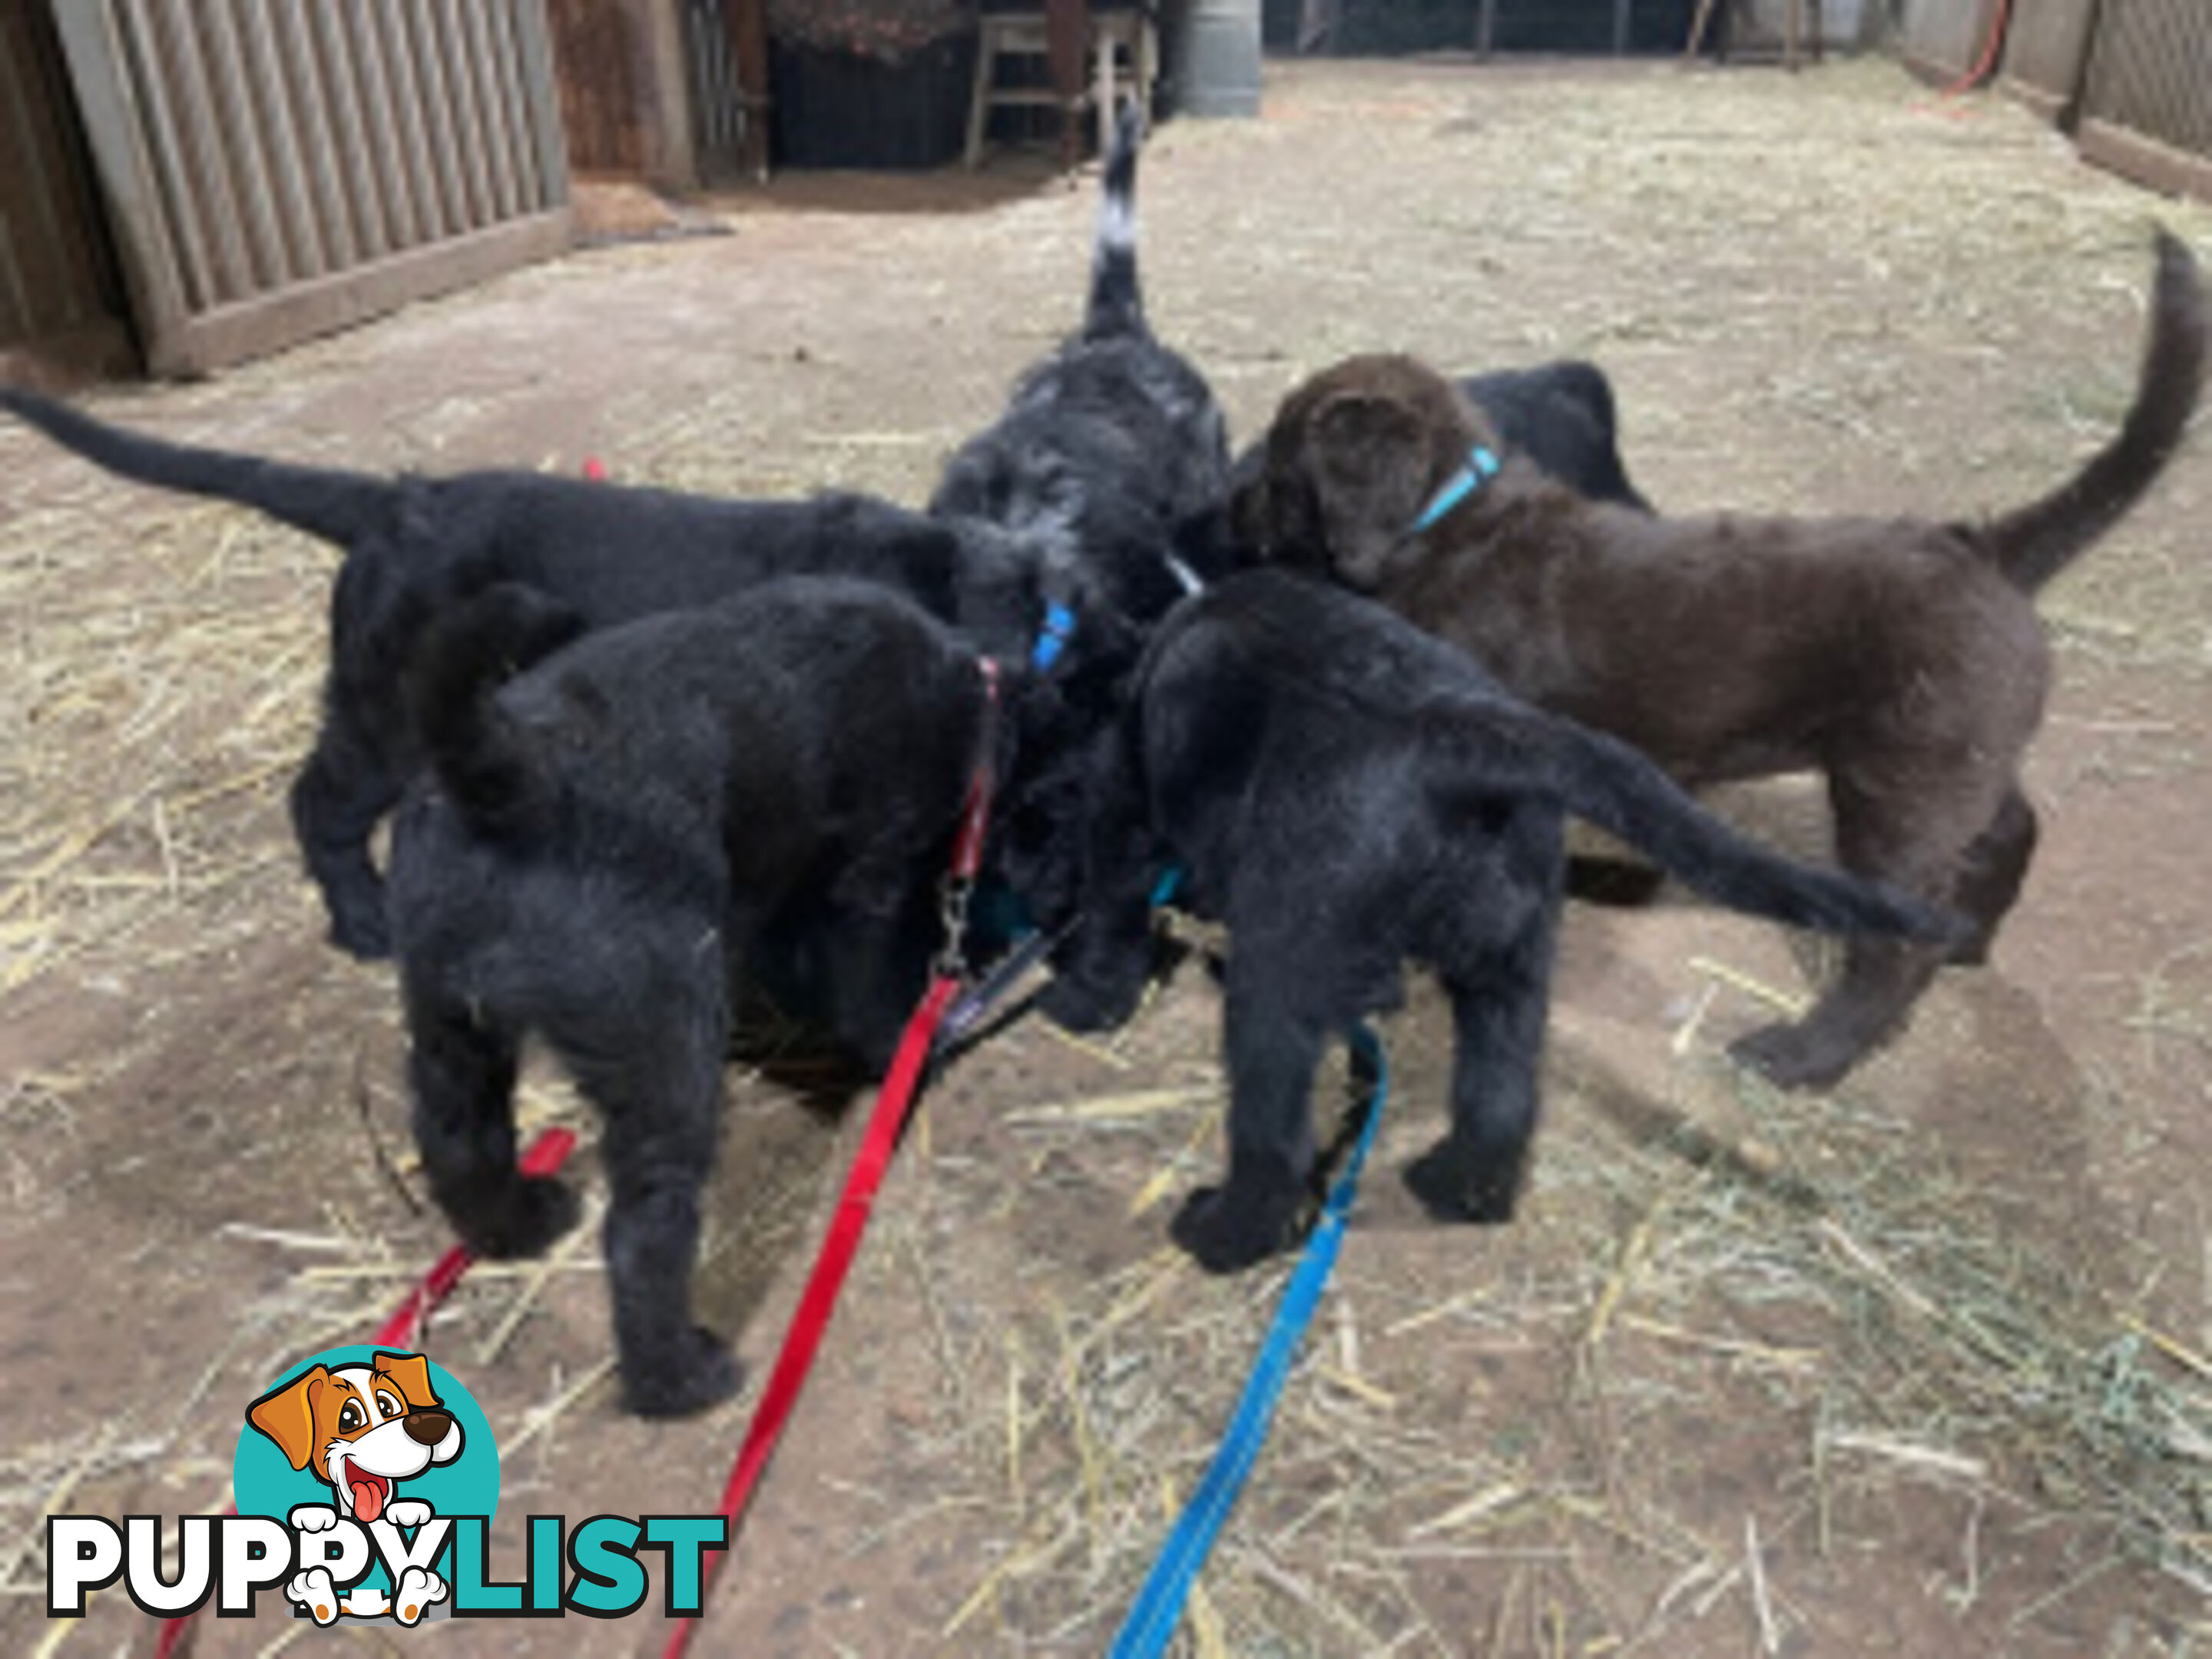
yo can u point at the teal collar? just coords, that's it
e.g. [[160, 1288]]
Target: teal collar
[[1480, 467]]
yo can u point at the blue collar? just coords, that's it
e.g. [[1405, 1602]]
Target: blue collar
[[1058, 629], [1481, 466]]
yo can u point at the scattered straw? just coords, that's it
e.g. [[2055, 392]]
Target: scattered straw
[[1787, 1002], [585, 1235]]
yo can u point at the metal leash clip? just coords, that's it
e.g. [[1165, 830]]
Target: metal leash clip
[[954, 893]]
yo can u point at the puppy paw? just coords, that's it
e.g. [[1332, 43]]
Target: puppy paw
[[313, 1517], [314, 1591], [418, 1590], [360, 927], [1450, 1189], [1972, 949], [1792, 1057], [535, 1211], [407, 1512], [1224, 1235], [1077, 1003], [704, 1373]]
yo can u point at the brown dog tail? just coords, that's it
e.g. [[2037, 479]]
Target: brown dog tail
[[481, 759], [2032, 544], [1512, 748]]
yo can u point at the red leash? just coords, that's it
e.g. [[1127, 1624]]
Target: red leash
[[544, 1157], [902, 1084]]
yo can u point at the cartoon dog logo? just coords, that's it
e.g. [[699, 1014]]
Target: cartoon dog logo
[[363, 1429]]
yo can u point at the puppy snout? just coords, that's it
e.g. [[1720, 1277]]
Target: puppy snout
[[428, 1428]]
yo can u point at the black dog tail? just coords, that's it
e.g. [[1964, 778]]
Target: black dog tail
[[1618, 789], [1117, 304], [481, 762], [2032, 544], [336, 506]]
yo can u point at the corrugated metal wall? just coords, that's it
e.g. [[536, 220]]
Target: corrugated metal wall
[[58, 289], [2147, 108], [276, 169], [2046, 49]]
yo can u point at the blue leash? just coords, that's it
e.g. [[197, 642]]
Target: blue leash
[[1158, 1606]]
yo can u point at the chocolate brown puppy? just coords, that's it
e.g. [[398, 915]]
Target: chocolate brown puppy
[[1902, 658]]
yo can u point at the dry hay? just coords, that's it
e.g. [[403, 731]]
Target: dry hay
[[1825, 1270], [144, 735]]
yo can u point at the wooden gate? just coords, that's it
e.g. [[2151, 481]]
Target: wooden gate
[[59, 297], [277, 168], [2147, 108], [2045, 53]]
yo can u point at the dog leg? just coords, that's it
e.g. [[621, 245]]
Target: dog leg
[[1881, 980], [1099, 974], [1498, 1014], [1272, 1054], [877, 971], [1996, 867], [1913, 829], [1099, 977], [339, 797], [463, 1073], [659, 1086]]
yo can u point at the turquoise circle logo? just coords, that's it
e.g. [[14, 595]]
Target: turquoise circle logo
[[370, 1454]]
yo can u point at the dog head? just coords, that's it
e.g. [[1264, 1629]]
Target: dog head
[[1352, 457], [362, 1428]]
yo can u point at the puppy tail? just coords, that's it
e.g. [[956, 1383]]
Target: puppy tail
[[1117, 304], [1625, 793], [482, 761], [326, 501], [2032, 544]]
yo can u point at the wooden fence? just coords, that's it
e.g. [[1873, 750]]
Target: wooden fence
[[2146, 99], [277, 168], [2046, 48], [58, 289]]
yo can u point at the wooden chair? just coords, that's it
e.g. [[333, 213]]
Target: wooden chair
[[1092, 57]]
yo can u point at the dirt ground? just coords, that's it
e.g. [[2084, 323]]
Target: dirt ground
[[1918, 1367]]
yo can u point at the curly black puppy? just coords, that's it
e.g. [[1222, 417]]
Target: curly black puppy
[[415, 546], [1111, 453], [1347, 792], [605, 840], [1560, 415]]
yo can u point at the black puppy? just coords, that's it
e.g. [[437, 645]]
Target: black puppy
[[1111, 453], [605, 841], [1560, 415], [1347, 792], [415, 546]]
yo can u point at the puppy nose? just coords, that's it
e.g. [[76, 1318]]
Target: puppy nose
[[429, 1427]]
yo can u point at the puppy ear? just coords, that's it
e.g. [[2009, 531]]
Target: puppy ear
[[1368, 462], [287, 1415], [411, 1372]]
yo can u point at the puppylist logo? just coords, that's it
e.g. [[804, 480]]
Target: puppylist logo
[[367, 1484]]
